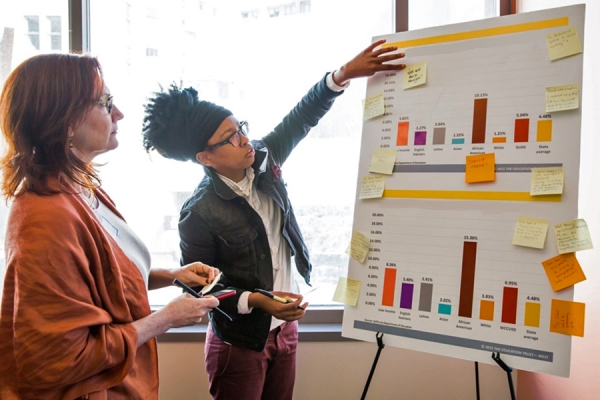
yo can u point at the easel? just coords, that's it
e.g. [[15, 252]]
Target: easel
[[495, 357]]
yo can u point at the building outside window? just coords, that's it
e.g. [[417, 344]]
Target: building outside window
[[33, 30]]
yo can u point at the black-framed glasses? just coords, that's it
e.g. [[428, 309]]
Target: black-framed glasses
[[107, 101], [235, 139]]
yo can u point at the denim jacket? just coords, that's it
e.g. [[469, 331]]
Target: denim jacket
[[220, 228]]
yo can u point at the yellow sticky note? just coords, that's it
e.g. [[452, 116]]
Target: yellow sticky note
[[530, 232], [372, 186], [347, 291], [359, 246], [547, 181], [383, 161], [572, 236], [563, 43], [373, 106], [480, 168], [414, 75], [563, 271], [561, 98], [567, 317]]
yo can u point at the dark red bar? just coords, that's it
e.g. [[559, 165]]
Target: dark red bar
[[521, 130], [509, 305], [467, 279]]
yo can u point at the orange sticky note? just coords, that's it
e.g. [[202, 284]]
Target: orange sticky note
[[563, 271], [481, 168], [567, 317]]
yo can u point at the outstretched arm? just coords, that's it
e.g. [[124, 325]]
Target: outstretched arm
[[368, 62]]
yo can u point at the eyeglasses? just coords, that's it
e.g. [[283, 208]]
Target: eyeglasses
[[235, 139], [107, 101]]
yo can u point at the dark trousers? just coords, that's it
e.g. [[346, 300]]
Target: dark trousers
[[242, 374]]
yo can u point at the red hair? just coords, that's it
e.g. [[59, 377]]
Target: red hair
[[44, 98]]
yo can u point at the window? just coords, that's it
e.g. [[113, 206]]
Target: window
[[55, 33], [33, 30]]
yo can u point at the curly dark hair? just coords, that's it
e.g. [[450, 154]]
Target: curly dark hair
[[178, 125]]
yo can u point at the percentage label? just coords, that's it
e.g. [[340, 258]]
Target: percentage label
[[387, 121], [427, 279], [373, 258], [440, 124], [522, 115], [371, 285], [371, 276], [499, 133], [487, 296], [379, 223], [470, 237], [421, 127], [389, 90], [403, 119], [375, 232], [444, 300], [369, 303], [533, 298], [374, 267], [543, 116], [387, 264], [458, 135], [510, 283], [376, 215], [407, 279], [477, 95], [371, 294]]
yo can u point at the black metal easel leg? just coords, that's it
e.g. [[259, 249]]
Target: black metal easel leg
[[380, 346], [477, 379], [496, 357]]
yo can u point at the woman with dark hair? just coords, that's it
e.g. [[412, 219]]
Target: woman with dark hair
[[75, 321]]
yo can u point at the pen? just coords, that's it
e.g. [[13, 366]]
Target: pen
[[197, 295], [276, 298]]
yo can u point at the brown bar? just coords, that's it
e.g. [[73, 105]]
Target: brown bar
[[479, 120], [467, 280]]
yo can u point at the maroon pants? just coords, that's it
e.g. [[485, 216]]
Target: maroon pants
[[242, 374]]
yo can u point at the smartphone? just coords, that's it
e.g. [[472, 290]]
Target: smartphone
[[223, 294]]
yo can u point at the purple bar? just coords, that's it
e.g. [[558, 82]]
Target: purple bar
[[406, 295], [420, 138]]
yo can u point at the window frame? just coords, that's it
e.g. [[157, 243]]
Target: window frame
[[322, 323]]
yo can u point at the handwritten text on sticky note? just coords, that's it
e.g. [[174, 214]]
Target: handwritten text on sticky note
[[563, 271], [374, 107], [563, 43], [567, 317], [561, 98], [359, 246], [480, 168], [547, 181], [347, 291], [414, 75], [372, 186], [572, 236], [530, 232], [383, 161]]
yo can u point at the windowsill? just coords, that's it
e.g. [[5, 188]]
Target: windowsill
[[320, 324]]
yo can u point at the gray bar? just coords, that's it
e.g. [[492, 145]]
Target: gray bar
[[439, 135], [425, 296], [457, 341], [461, 167]]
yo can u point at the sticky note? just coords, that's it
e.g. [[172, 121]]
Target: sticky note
[[530, 232], [414, 75], [563, 271], [547, 181], [383, 161], [374, 106], [480, 168], [359, 246], [563, 43], [347, 291], [372, 186], [572, 236], [567, 317], [561, 98]]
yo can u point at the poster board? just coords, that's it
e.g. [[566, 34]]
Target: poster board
[[442, 274]]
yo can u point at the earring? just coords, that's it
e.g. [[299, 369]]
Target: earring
[[70, 142]]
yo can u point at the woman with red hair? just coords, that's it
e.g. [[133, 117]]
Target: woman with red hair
[[75, 321]]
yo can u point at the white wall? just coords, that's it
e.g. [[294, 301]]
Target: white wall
[[339, 370], [585, 363]]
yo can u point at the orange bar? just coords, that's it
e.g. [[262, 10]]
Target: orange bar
[[532, 314], [402, 138], [389, 287], [499, 139], [486, 310], [544, 130]]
